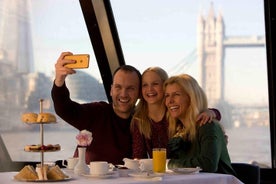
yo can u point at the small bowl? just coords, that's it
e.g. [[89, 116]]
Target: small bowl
[[123, 172]]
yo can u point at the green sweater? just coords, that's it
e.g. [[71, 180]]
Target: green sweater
[[208, 151]]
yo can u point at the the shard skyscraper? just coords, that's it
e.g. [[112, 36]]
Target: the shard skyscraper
[[18, 80], [16, 52]]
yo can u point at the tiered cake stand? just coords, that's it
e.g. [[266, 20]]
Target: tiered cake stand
[[42, 136]]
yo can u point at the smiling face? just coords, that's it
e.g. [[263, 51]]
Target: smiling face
[[124, 92], [152, 87], [177, 101]]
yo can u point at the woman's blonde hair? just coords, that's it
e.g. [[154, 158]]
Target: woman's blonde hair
[[198, 104], [141, 111]]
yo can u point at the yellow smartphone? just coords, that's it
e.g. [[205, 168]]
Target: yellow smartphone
[[82, 61]]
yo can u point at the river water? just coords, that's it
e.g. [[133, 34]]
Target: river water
[[244, 145]]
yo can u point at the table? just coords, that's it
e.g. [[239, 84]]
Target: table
[[198, 178]]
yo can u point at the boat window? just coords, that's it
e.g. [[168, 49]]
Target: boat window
[[32, 36], [218, 43]]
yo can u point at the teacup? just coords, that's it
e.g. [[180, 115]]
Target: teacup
[[132, 164], [71, 162], [99, 168], [145, 164]]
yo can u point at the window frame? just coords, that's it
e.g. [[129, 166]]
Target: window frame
[[270, 28], [104, 37]]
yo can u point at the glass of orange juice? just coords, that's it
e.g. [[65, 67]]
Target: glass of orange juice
[[159, 156]]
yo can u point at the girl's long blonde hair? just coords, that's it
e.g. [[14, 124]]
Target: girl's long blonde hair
[[198, 104], [141, 111]]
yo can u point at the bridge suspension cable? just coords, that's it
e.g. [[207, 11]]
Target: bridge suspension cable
[[183, 64]]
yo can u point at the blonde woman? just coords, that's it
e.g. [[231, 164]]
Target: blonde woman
[[192, 145], [149, 125]]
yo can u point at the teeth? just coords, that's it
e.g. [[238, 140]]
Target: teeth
[[151, 94], [173, 107], [123, 101]]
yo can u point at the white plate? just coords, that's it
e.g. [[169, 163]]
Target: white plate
[[110, 174], [187, 170], [37, 180], [145, 175]]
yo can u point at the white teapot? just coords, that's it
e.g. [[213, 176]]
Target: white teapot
[[132, 164], [146, 164]]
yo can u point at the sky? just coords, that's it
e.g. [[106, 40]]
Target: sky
[[157, 33]]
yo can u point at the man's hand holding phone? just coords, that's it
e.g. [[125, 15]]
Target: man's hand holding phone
[[81, 61]]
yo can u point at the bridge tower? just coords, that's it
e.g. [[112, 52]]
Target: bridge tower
[[210, 51], [211, 45]]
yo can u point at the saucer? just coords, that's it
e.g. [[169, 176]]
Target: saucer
[[145, 175], [110, 174], [187, 170]]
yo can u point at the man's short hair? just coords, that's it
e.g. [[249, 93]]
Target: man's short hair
[[129, 68]]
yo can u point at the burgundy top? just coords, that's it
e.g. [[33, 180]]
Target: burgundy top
[[111, 134], [142, 147]]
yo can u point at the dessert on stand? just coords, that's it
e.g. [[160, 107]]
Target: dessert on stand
[[42, 172]]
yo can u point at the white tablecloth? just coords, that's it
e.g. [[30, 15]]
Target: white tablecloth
[[198, 178]]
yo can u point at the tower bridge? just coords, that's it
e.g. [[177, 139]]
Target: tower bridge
[[211, 46], [210, 54]]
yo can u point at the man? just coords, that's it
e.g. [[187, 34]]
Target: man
[[109, 123]]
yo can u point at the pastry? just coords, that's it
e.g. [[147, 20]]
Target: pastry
[[31, 147], [27, 173], [38, 118], [55, 173], [39, 147], [46, 118], [52, 147], [29, 117]]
